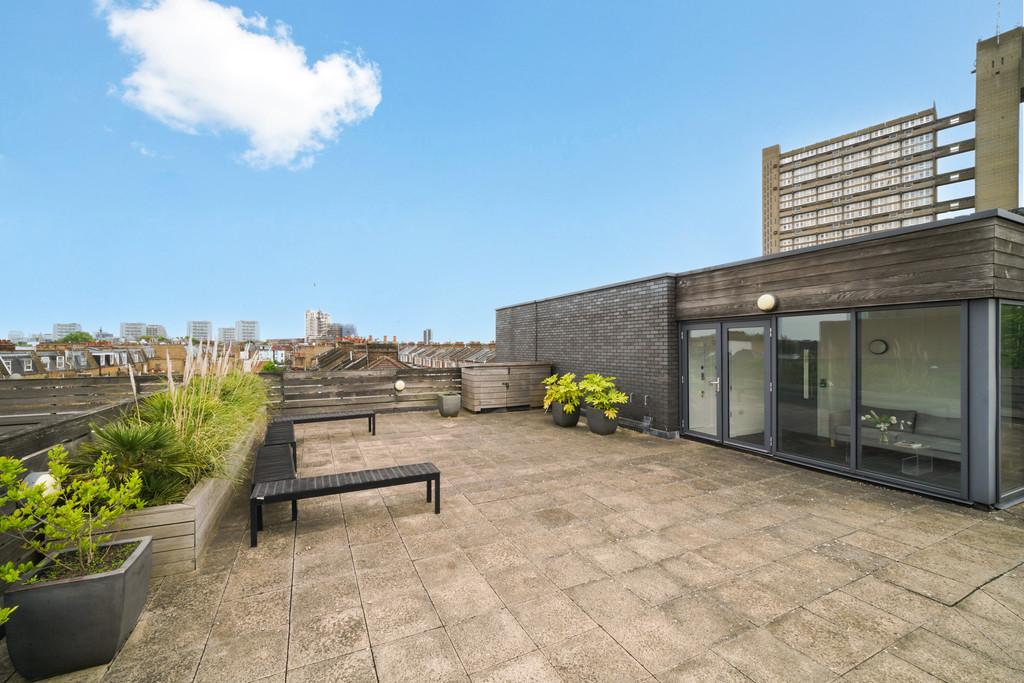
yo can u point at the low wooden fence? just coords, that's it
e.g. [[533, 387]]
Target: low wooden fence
[[28, 404], [311, 392]]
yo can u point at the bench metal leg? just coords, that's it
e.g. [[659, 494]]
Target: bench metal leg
[[259, 517], [253, 514], [373, 425], [295, 509], [429, 483], [437, 495]]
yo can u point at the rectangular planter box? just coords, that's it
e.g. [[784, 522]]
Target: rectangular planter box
[[181, 531], [489, 386]]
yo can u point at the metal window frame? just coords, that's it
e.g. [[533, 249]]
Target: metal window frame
[[1017, 494], [853, 470]]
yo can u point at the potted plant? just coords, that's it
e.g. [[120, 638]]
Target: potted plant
[[74, 602], [600, 393], [563, 399], [449, 403]]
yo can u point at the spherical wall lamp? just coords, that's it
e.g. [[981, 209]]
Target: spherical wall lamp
[[767, 302], [399, 386]]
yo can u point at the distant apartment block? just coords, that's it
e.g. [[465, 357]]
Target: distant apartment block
[[199, 330], [316, 324], [63, 329], [16, 336], [247, 330], [886, 176], [428, 336], [156, 330], [226, 335], [132, 331]]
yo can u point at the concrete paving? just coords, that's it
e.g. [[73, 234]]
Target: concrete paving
[[564, 556]]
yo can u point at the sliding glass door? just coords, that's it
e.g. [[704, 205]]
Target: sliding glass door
[[814, 380]]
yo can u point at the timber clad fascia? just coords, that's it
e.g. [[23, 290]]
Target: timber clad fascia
[[961, 260]]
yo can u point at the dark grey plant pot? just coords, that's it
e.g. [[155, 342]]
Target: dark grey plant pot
[[449, 405], [71, 624], [562, 418], [598, 423]]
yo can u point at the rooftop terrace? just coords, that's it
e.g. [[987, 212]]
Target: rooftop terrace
[[561, 555]]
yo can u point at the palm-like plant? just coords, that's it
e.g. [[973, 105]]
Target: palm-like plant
[[562, 390], [151, 449], [600, 392]]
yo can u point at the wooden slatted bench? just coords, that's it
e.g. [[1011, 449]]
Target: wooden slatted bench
[[279, 433], [274, 463], [294, 489], [370, 415]]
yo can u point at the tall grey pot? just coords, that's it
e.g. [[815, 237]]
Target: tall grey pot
[[562, 418], [599, 423], [71, 624]]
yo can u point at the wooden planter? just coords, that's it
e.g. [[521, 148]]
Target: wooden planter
[[181, 531], [489, 386]]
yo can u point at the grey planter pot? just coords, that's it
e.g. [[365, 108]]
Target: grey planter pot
[[598, 423], [449, 405], [562, 418], [71, 624]]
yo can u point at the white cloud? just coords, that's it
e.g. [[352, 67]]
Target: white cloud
[[204, 67]]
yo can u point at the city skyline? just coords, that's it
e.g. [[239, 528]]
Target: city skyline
[[456, 143]]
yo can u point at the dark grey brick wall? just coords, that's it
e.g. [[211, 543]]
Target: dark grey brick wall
[[628, 331]]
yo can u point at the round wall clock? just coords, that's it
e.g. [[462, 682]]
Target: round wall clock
[[878, 346]]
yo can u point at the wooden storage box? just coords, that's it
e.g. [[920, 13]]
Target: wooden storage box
[[488, 386]]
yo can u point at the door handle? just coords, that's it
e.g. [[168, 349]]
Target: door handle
[[717, 382]]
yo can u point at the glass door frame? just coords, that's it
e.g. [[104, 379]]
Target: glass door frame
[[721, 329], [684, 367], [853, 469], [767, 325]]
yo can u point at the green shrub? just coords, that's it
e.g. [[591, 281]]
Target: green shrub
[[564, 390], [600, 392], [64, 525], [150, 448], [271, 366], [177, 437]]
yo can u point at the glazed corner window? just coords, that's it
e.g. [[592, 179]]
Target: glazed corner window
[[909, 409], [1011, 399]]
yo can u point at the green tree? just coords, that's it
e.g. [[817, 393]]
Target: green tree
[[76, 337]]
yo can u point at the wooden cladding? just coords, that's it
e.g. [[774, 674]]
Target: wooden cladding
[[310, 392], [503, 385], [970, 259]]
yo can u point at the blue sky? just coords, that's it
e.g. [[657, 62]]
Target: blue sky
[[518, 150]]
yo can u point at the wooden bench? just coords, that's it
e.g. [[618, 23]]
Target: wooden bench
[[370, 416], [274, 463], [281, 433], [294, 489]]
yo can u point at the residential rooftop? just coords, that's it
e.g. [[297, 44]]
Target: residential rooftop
[[560, 555]]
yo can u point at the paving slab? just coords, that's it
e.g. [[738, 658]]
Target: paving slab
[[560, 555]]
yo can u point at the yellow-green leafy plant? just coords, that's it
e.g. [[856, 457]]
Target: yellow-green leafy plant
[[64, 525], [564, 390], [600, 392]]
